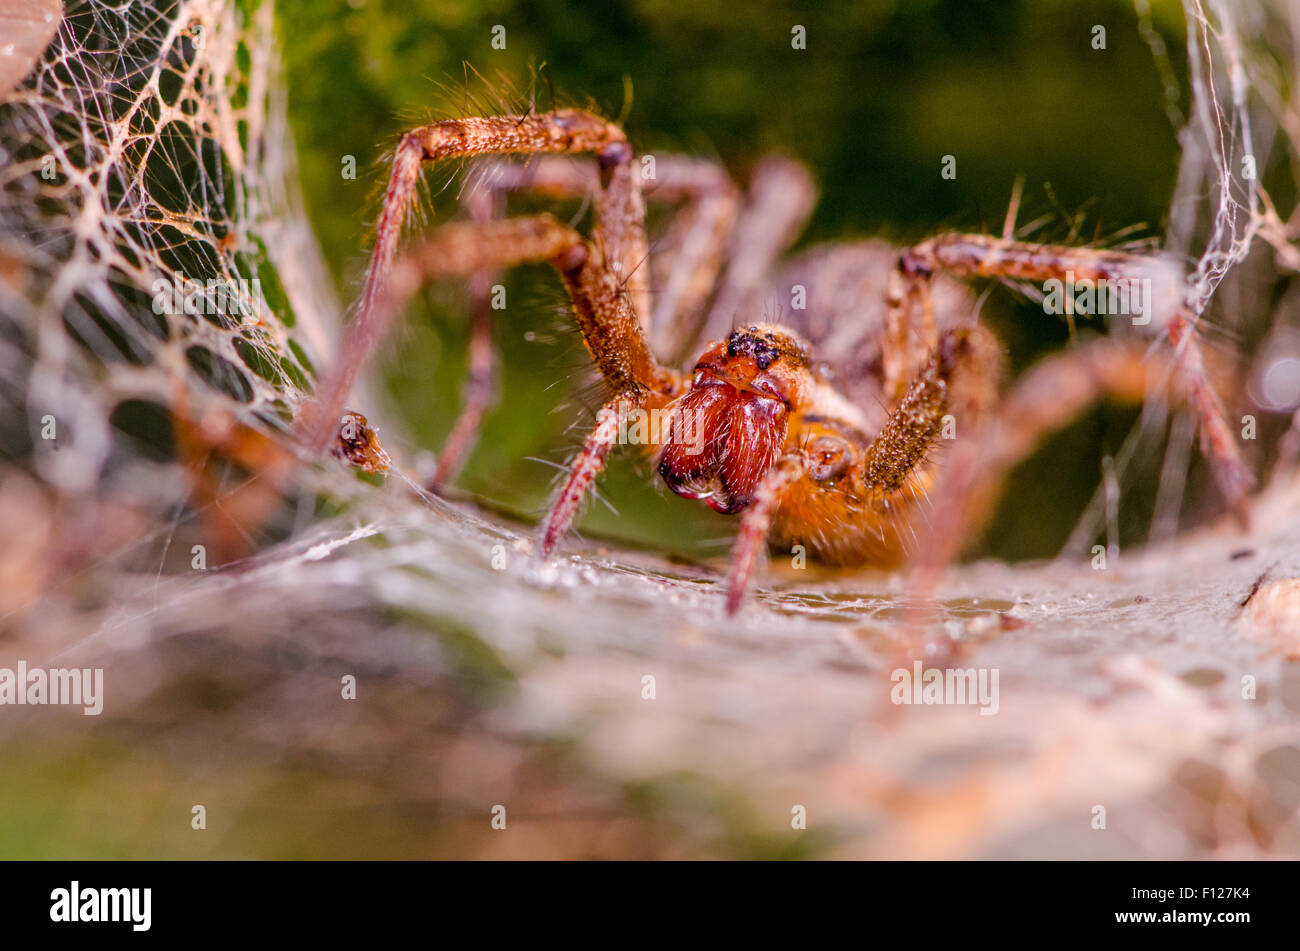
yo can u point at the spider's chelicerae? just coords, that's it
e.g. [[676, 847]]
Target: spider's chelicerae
[[820, 431]]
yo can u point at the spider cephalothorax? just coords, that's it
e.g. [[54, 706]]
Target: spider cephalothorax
[[821, 432]]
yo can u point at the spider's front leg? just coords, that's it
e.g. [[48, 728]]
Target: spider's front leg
[[756, 522], [1148, 288], [619, 232]]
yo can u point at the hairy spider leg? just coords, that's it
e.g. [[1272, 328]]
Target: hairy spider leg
[[692, 253], [580, 475], [975, 256], [604, 313], [755, 522], [618, 232]]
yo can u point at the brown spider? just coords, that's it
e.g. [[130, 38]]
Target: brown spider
[[818, 432]]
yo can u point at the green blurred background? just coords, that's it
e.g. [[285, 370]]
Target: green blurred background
[[882, 92]]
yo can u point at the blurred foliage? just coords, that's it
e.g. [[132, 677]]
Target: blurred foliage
[[882, 92]]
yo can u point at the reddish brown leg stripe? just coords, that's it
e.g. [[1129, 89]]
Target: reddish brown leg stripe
[[981, 255], [320, 419], [754, 525], [584, 468], [398, 197]]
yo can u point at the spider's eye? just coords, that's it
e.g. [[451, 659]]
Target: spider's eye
[[763, 349]]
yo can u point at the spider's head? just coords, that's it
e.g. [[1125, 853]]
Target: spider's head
[[731, 425]]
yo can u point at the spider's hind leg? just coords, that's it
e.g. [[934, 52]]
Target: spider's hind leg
[[481, 383], [1044, 399]]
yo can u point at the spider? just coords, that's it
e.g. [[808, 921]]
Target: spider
[[819, 431]]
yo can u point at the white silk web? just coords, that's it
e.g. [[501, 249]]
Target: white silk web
[[151, 248]]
